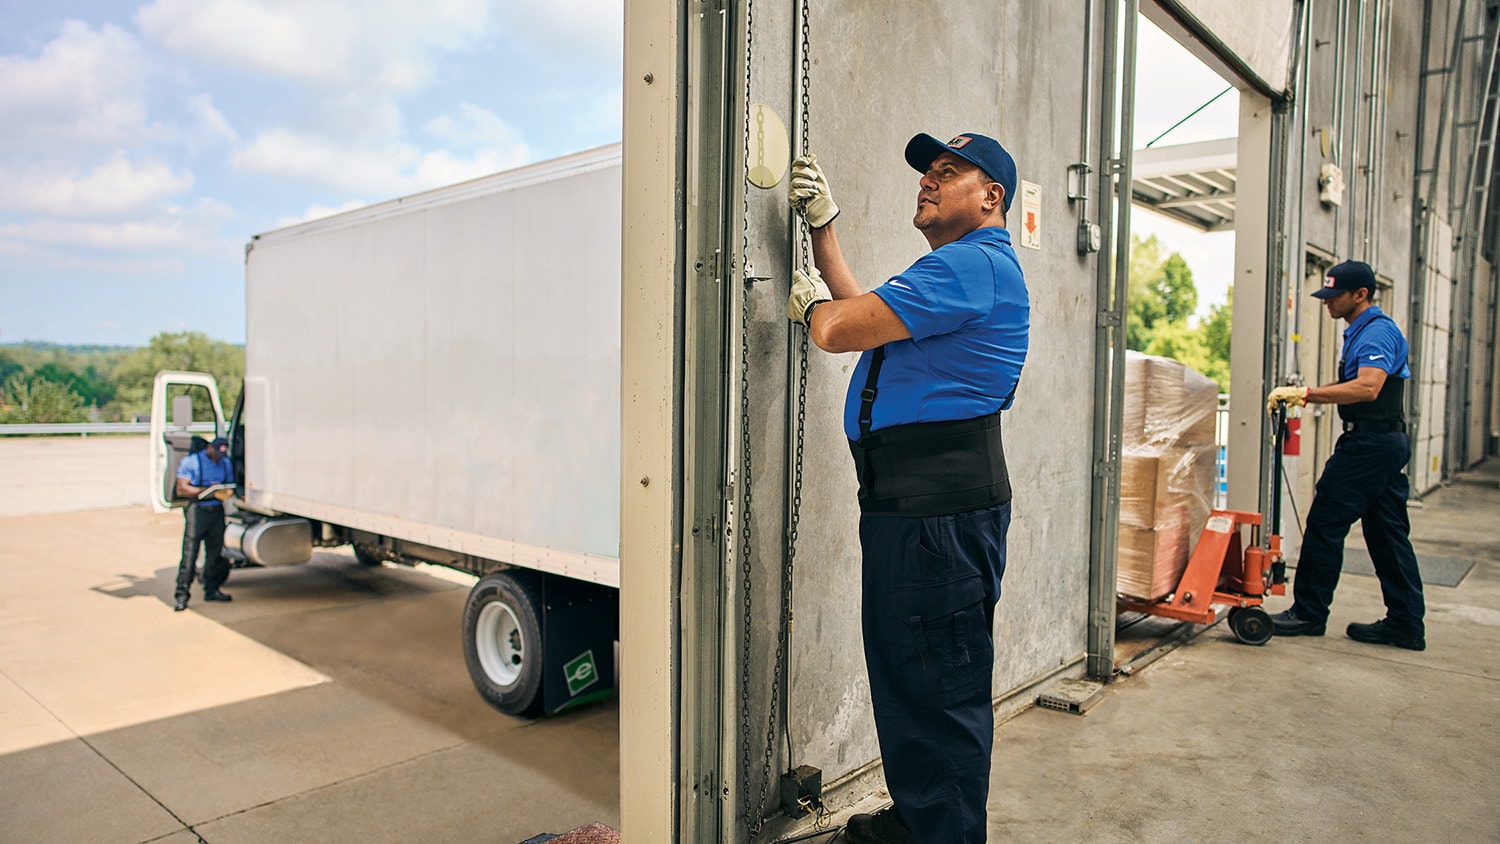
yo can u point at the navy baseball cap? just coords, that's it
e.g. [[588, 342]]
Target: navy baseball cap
[[220, 442], [1341, 278], [980, 150]]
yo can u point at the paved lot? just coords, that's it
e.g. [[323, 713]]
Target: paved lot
[[60, 474], [328, 702]]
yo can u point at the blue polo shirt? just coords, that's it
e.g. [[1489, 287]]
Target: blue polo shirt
[[966, 306], [201, 470], [1374, 339]]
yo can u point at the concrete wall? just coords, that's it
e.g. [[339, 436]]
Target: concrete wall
[[1374, 221], [995, 72], [1477, 417], [1430, 368]]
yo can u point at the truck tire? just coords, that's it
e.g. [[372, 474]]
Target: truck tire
[[503, 642], [366, 558]]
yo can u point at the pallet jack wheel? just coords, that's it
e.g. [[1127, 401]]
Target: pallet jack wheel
[[1251, 625]]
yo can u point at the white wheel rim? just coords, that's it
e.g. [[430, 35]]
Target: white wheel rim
[[498, 640]]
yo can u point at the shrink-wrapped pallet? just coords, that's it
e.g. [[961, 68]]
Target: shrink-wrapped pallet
[[1167, 472], [1167, 403]]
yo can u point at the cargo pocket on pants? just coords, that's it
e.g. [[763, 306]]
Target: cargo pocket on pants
[[949, 649]]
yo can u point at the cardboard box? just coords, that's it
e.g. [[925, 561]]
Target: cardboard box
[[1151, 560]]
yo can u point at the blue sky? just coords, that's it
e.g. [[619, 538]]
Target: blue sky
[[146, 142]]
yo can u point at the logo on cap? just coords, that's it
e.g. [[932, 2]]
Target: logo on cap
[[960, 142], [1327, 281]]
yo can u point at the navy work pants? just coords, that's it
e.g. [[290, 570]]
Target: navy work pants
[[930, 588], [1363, 480], [204, 526]]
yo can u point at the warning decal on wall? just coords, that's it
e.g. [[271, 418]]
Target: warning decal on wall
[[1030, 233]]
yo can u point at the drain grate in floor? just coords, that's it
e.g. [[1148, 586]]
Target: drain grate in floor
[[1072, 696]]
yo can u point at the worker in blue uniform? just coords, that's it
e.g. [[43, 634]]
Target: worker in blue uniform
[[203, 524], [942, 345], [1364, 480]]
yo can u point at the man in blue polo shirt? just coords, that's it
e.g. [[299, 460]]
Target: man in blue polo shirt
[[203, 520], [1364, 480], [943, 344]]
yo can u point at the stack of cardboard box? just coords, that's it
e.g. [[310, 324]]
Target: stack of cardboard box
[[1167, 472]]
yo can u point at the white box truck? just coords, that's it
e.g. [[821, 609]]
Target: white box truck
[[437, 379]]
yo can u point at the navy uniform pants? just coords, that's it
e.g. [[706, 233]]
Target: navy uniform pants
[[1363, 481], [204, 526], [929, 594]]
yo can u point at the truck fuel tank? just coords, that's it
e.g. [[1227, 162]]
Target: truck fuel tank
[[278, 541]]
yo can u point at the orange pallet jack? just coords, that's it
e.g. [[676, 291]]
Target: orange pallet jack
[[1223, 571]]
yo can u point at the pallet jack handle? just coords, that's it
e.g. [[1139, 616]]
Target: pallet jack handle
[[1273, 533], [1278, 437]]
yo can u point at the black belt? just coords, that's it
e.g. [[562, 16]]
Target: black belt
[[932, 468], [1373, 427]]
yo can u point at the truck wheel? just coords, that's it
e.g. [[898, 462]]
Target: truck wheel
[[365, 558], [503, 643]]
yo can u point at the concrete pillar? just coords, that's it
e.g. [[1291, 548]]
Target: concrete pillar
[[1247, 389]]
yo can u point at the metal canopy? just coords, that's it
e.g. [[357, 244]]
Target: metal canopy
[[1191, 183]]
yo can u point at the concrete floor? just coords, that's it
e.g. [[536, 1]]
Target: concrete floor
[[330, 702], [1303, 739]]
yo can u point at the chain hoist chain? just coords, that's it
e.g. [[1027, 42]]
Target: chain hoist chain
[[783, 636], [755, 820], [746, 486]]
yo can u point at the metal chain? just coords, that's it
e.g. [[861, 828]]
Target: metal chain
[[783, 636], [796, 514], [756, 820], [746, 549]]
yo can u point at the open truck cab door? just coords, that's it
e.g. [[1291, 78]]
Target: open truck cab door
[[193, 398]]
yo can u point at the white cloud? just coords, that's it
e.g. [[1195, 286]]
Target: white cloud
[[588, 30], [474, 126], [117, 186], [183, 230], [212, 124], [318, 212], [385, 44], [86, 85], [374, 171]]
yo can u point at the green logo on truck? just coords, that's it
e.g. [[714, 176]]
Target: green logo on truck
[[580, 672]]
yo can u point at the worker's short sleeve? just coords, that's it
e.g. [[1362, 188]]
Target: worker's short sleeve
[[189, 469], [930, 298], [1382, 349]]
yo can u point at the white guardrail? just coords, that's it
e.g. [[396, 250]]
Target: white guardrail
[[83, 429]]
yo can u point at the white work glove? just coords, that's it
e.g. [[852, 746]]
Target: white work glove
[[1294, 396], [808, 289], [810, 195]]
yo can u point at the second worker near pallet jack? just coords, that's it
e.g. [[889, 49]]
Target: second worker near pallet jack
[[1365, 479], [943, 343]]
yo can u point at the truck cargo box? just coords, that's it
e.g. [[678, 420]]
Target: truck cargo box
[[445, 368]]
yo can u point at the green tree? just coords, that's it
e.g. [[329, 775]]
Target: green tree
[[189, 351], [1160, 292], [1159, 310], [37, 401], [1216, 329], [9, 365], [88, 382]]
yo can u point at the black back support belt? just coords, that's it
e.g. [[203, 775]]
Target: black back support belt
[[932, 468]]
